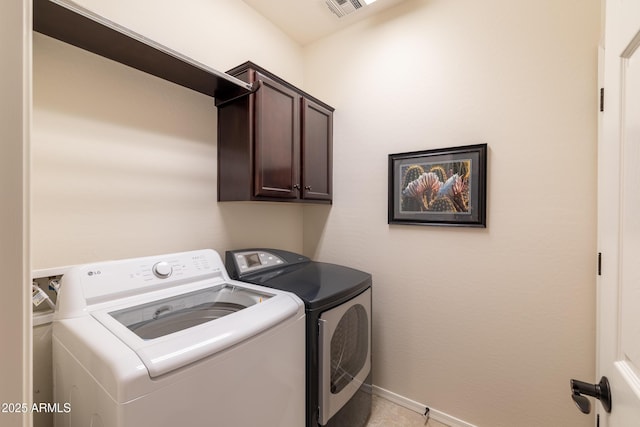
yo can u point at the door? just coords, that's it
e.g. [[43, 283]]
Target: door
[[619, 215], [277, 140], [317, 141], [345, 353]]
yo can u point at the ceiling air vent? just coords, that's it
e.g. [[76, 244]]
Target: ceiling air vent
[[345, 7]]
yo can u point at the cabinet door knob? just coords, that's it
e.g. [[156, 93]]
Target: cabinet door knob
[[307, 187], [296, 186]]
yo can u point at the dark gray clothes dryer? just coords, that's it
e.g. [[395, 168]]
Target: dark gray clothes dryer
[[338, 322]]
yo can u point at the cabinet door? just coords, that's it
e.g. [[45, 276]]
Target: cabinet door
[[277, 140], [317, 141]]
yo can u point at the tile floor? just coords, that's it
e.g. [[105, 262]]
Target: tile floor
[[387, 414]]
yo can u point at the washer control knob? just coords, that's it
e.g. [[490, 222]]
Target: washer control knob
[[162, 269]]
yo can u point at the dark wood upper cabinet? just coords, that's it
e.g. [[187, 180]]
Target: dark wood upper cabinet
[[274, 140], [275, 144]]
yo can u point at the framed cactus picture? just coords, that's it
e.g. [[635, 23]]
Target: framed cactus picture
[[446, 187]]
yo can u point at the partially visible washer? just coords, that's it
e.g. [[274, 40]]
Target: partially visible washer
[[338, 307], [171, 341]]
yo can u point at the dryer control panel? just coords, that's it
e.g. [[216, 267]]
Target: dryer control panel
[[244, 262]]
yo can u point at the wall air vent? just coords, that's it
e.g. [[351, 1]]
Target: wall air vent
[[344, 7]]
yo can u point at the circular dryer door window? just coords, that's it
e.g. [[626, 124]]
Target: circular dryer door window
[[349, 347], [345, 353]]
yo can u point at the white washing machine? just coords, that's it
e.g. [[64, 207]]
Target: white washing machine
[[171, 341]]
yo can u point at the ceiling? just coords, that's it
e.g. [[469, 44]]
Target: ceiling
[[306, 21]]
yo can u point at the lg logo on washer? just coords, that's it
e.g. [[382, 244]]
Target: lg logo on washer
[[91, 273]]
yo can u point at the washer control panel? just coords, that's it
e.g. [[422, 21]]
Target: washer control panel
[[113, 279]]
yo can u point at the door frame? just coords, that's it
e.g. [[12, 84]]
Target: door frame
[[15, 116]]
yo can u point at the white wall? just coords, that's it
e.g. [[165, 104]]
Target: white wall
[[15, 358], [124, 164], [487, 325]]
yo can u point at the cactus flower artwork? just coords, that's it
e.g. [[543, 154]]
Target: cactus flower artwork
[[439, 187], [444, 188]]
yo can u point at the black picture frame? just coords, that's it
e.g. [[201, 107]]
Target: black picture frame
[[441, 187]]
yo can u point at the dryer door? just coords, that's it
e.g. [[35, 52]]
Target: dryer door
[[345, 353]]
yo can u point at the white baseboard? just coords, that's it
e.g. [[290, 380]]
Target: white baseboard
[[420, 408]]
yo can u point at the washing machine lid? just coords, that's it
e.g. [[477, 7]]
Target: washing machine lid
[[175, 331], [173, 314], [167, 308]]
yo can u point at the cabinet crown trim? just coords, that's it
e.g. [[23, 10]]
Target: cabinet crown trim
[[248, 65]]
